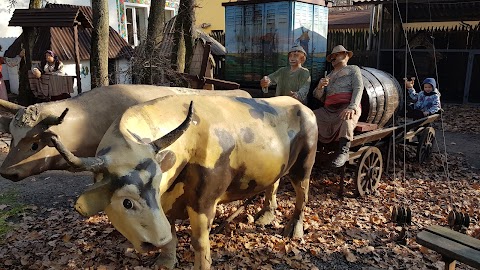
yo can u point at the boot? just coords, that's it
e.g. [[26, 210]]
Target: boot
[[342, 157]]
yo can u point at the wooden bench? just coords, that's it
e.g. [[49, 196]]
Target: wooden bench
[[452, 245]]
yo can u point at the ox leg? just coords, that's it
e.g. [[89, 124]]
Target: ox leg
[[201, 224], [168, 256], [267, 214], [294, 228], [300, 178]]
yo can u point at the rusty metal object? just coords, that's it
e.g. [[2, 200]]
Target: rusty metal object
[[401, 215], [457, 220]]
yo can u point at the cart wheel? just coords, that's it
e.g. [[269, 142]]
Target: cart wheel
[[425, 145], [369, 171]]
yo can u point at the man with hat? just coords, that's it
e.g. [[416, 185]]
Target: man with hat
[[341, 91], [291, 81]]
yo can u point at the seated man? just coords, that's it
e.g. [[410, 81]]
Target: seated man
[[341, 91]]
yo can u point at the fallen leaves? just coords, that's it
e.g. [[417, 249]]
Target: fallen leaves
[[460, 118]]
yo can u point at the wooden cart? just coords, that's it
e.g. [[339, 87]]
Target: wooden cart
[[370, 144]]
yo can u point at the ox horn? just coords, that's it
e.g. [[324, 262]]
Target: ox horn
[[10, 106], [173, 135], [52, 120], [93, 164]]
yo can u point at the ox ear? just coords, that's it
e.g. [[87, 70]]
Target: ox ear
[[166, 159], [94, 199], [5, 124]]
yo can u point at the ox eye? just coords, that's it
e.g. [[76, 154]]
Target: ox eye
[[34, 146], [127, 204]]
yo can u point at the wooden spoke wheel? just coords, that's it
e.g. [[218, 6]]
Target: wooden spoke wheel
[[425, 145], [369, 171]]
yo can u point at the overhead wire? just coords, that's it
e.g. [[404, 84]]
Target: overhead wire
[[444, 161]]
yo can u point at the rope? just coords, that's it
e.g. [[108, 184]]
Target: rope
[[406, 39], [405, 105], [445, 165]]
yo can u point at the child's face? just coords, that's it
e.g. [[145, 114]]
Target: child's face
[[427, 88]]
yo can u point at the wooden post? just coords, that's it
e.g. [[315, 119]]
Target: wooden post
[[468, 78], [449, 263], [77, 57]]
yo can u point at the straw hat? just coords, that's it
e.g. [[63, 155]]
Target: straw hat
[[297, 48], [337, 49]]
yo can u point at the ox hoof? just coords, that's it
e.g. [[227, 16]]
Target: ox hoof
[[166, 260], [264, 217], [293, 229]]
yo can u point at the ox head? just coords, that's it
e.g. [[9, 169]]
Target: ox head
[[29, 152], [127, 185]]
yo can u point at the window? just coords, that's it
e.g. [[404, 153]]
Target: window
[[169, 13], [136, 20]]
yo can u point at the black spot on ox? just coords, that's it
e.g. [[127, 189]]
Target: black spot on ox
[[104, 151], [225, 139], [247, 135], [291, 134], [147, 192], [258, 108]]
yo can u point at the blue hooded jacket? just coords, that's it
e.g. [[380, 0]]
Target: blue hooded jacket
[[426, 102]]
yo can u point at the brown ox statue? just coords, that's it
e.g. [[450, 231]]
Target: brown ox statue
[[81, 130], [155, 162]]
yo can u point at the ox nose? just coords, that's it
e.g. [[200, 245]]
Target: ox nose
[[149, 247], [13, 177]]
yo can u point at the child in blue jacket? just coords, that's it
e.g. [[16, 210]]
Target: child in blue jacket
[[427, 102]]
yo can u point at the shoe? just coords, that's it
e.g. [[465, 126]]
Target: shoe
[[343, 149]]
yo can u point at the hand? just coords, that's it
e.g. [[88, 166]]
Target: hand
[[265, 82], [426, 113], [294, 95], [347, 114], [409, 84], [323, 82]]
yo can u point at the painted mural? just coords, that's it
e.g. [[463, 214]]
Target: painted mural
[[121, 11], [258, 37]]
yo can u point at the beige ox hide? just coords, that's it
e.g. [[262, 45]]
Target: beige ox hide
[[147, 169], [81, 129]]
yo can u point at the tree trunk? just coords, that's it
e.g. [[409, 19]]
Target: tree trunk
[[99, 49], [156, 21], [183, 30], [188, 31], [25, 95]]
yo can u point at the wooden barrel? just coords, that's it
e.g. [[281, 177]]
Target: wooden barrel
[[381, 97]]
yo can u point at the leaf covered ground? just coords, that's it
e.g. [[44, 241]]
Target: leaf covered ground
[[348, 233]]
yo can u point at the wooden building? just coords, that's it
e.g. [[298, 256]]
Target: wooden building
[[434, 38]]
